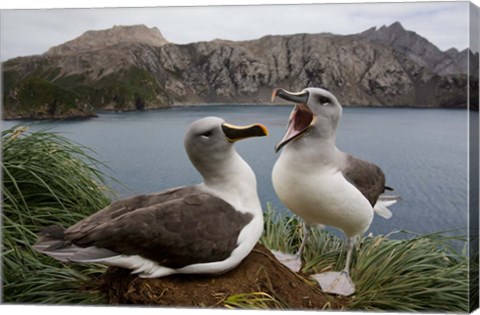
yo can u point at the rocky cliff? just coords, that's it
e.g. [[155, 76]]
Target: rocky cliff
[[134, 67], [98, 40]]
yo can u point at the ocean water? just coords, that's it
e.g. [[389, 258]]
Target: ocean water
[[423, 153]]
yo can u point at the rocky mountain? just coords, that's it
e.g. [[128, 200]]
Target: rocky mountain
[[134, 67], [97, 40], [419, 49]]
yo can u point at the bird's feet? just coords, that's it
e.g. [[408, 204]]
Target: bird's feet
[[292, 262], [335, 282]]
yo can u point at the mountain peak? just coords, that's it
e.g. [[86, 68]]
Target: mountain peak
[[452, 51], [391, 31], [397, 26], [118, 34], [407, 42]]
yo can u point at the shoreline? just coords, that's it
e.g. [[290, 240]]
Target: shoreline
[[176, 106]]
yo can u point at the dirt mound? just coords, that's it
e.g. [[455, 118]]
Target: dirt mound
[[259, 272]]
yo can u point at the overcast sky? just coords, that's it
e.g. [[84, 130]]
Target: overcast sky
[[27, 32]]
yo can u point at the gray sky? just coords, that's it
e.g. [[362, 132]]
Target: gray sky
[[27, 32]]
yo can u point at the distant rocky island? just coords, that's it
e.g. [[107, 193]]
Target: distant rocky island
[[129, 68]]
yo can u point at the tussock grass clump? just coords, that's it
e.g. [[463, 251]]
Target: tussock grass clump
[[421, 273], [253, 300], [47, 180]]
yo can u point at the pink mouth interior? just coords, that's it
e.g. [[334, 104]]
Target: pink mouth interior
[[300, 120]]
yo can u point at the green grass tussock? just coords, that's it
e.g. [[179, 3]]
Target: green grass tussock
[[253, 300], [47, 180], [421, 273]]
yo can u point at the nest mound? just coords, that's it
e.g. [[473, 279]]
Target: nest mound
[[259, 272]]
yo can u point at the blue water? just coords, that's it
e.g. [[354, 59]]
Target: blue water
[[423, 153]]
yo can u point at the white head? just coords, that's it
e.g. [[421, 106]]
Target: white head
[[209, 142], [317, 112]]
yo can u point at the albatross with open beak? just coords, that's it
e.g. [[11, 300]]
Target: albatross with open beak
[[322, 184], [206, 228]]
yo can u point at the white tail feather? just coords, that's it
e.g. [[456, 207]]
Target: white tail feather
[[92, 254], [382, 204], [64, 251], [62, 254]]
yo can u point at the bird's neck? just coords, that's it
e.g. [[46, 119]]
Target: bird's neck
[[313, 143], [311, 150], [233, 180], [225, 168]]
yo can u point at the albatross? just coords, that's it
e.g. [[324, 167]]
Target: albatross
[[205, 228], [322, 184]]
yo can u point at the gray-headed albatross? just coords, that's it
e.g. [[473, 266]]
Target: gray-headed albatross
[[206, 228], [322, 184]]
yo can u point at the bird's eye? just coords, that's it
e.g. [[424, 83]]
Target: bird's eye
[[207, 134], [324, 100]]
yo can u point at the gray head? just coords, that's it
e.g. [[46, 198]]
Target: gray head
[[209, 141], [316, 111]]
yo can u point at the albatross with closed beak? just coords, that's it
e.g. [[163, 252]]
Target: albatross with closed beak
[[206, 228], [322, 184]]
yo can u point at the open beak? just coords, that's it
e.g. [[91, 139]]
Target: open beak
[[235, 133], [300, 119]]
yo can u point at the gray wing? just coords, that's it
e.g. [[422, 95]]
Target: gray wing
[[366, 176], [196, 228], [121, 207]]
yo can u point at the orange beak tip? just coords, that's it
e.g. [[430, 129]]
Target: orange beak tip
[[274, 94]]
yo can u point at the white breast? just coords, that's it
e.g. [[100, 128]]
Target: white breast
[[321, 195], [238, 187]]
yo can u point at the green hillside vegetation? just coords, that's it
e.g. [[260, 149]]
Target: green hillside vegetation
[[38, 92], [36, 97], [132, 87], [46, 94]]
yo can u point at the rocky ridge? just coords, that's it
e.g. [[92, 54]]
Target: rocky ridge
[[134, 68], [97, 40]]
